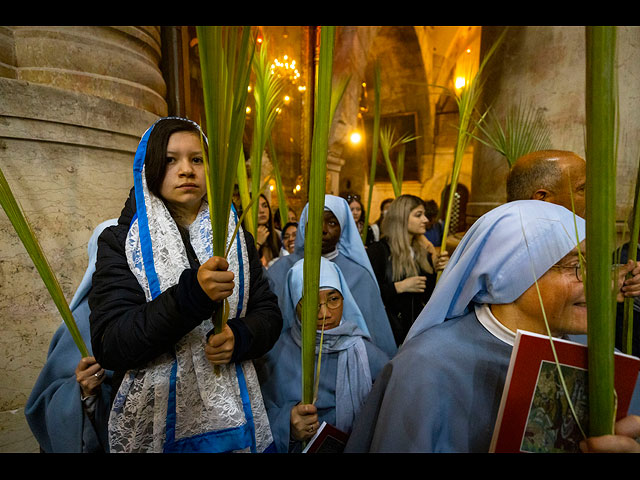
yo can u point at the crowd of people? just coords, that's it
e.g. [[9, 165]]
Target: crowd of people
[[415, 344]]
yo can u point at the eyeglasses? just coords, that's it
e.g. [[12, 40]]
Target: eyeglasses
[[334, 302], [576, 268]]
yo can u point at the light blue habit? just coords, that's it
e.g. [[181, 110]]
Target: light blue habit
[[350, 362], [442, 391], [54, 409], [354, 263]]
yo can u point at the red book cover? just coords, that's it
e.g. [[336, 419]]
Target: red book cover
[[328, 439], [534, 414]]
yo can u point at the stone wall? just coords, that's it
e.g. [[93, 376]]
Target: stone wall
[[75, 101], [546, 65]]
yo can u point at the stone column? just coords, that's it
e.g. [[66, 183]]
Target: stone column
[[75, 101]]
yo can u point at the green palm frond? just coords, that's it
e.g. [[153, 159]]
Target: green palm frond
[[601, 141], [26, 234], [374, 146], [226, 53], [268, 101], [388, 142], [282, 199], [467, 101], [317, 184], [524, 130]]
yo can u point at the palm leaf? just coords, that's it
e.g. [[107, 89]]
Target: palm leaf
[[601, 100], [467, 101], [226, 54], [317, 184], [388, 142], [268, 100], [30, 241], [282, 199], [245, 194], [374, 147], [525, 130]]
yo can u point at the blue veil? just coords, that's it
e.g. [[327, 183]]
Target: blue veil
[[526, 236]]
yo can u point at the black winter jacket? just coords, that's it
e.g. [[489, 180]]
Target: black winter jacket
[[402, 308], [127, 331]]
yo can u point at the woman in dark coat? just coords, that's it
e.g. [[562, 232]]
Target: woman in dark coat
[[405, 263], [155, 290]]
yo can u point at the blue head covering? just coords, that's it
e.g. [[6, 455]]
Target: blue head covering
[[92, 247], [353, 375], [350, 244], [500, 257], [141, 208], [330, 277]]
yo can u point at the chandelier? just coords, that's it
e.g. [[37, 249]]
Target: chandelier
[[285, 69]]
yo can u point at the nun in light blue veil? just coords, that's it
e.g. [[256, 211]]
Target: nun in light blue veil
[[450, 403], [350, 362], [526, 237], [351, 256], [54, 410]]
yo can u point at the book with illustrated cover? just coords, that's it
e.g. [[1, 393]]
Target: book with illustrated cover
[[534, 414], [328, 439]]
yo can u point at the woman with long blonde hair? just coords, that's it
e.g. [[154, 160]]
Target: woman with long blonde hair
[[405, 263]]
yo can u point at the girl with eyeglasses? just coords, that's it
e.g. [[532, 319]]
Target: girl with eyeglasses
[[350, 362]]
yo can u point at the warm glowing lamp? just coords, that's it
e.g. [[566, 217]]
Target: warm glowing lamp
[[355, 138], [460, 82]]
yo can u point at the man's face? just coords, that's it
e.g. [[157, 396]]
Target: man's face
[[563, 298], [330, 232], [572, 183]]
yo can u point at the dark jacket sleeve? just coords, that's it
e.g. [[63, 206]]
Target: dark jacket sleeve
[[259, 329], [127, 331], [379, 256]]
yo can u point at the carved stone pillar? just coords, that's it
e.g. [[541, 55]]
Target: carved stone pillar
[[75, 101]]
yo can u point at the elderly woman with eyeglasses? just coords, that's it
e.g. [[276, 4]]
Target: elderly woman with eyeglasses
[[349, 362], [463, 339]]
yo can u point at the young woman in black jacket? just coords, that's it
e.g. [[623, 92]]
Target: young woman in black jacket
[[155, 289], [405, 263]]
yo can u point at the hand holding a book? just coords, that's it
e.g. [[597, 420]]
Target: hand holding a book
[[304, 421], [215, 279], [624, 440]]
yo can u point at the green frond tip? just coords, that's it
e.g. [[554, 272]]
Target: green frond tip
[[388, 142], [524, 130], [268, 101], [30, 241], [467, 102], [226, 56]]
